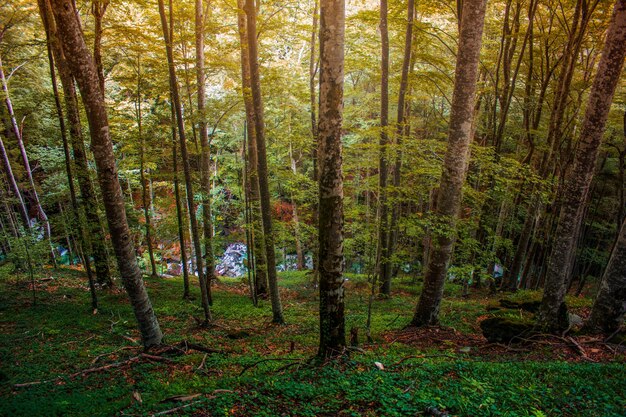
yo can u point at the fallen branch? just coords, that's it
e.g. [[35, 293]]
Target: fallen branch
[[97, 369], [187, 398], [247, 367], [97, 358]]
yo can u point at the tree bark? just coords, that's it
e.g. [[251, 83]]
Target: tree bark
[[98, 8], [29, 173], [258, 240], [179, 208], [13, 185], [95, 243], [609, 307], [383, 262], [400, 132], [259, 125], [314, 147], [578, 179], [206, 152], [76, 215], [195, 236], [332, 321], [146, 197], [456, 160], [83, 68]]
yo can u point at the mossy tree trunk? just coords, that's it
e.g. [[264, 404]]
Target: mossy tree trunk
[[259, 125], [456, 160], [83, 67], [175, 97], [578, 179], [252, 175], [332, 321]]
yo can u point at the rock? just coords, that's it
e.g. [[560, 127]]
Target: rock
[[575, 320], [505, 330]]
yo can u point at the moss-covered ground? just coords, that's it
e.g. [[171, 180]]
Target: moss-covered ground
[[265, 370]]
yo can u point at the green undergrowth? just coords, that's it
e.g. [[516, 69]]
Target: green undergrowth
[[58, 336]]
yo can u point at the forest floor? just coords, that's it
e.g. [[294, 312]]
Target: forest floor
[[57, 358]]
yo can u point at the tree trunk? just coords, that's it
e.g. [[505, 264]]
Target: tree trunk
[[400, 132], [296, 219], [578, 179], [383, 262], [146, 197], [258, 240], [77, 219], [13, 185], [29, 173], [205, 186], [259, 125], [98, 8], [179, 209], [456, 160], [332, 320], [195, 236], [94, 236], [314, 148], [607, 313], [83, 68]]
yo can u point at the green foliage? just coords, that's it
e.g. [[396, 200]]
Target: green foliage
[[59, 336]]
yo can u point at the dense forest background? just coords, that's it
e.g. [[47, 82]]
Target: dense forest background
[[520, 71], [417, 150]]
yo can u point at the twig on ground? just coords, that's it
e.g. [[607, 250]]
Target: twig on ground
[[201, 366], [98, 369], [97, 358], [255, 364]]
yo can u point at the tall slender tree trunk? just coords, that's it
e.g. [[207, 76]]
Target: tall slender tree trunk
[[259, 125], [94, 236], [13, 185], [314, 146], [609, 307], [83, 68], [76, 216], [98, 8], [332, 320], [195, 235], [383, 261], [578, 179], [296, 219], [206, 152], [258, 240], [456, 160], [29, 173], [401, 126], [146, 197], [179, 208]]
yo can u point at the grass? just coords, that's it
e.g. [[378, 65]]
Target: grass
[[58, 336]]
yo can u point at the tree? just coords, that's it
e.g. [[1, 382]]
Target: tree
[[332, 321], [83, 67], [146, 196], [456, 160], [94, 236], [384, 264], [252, 174], [609, 307], [206, 150], [175, 97], [17, 132], [264, 189], [401, 128], [553, 312]]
